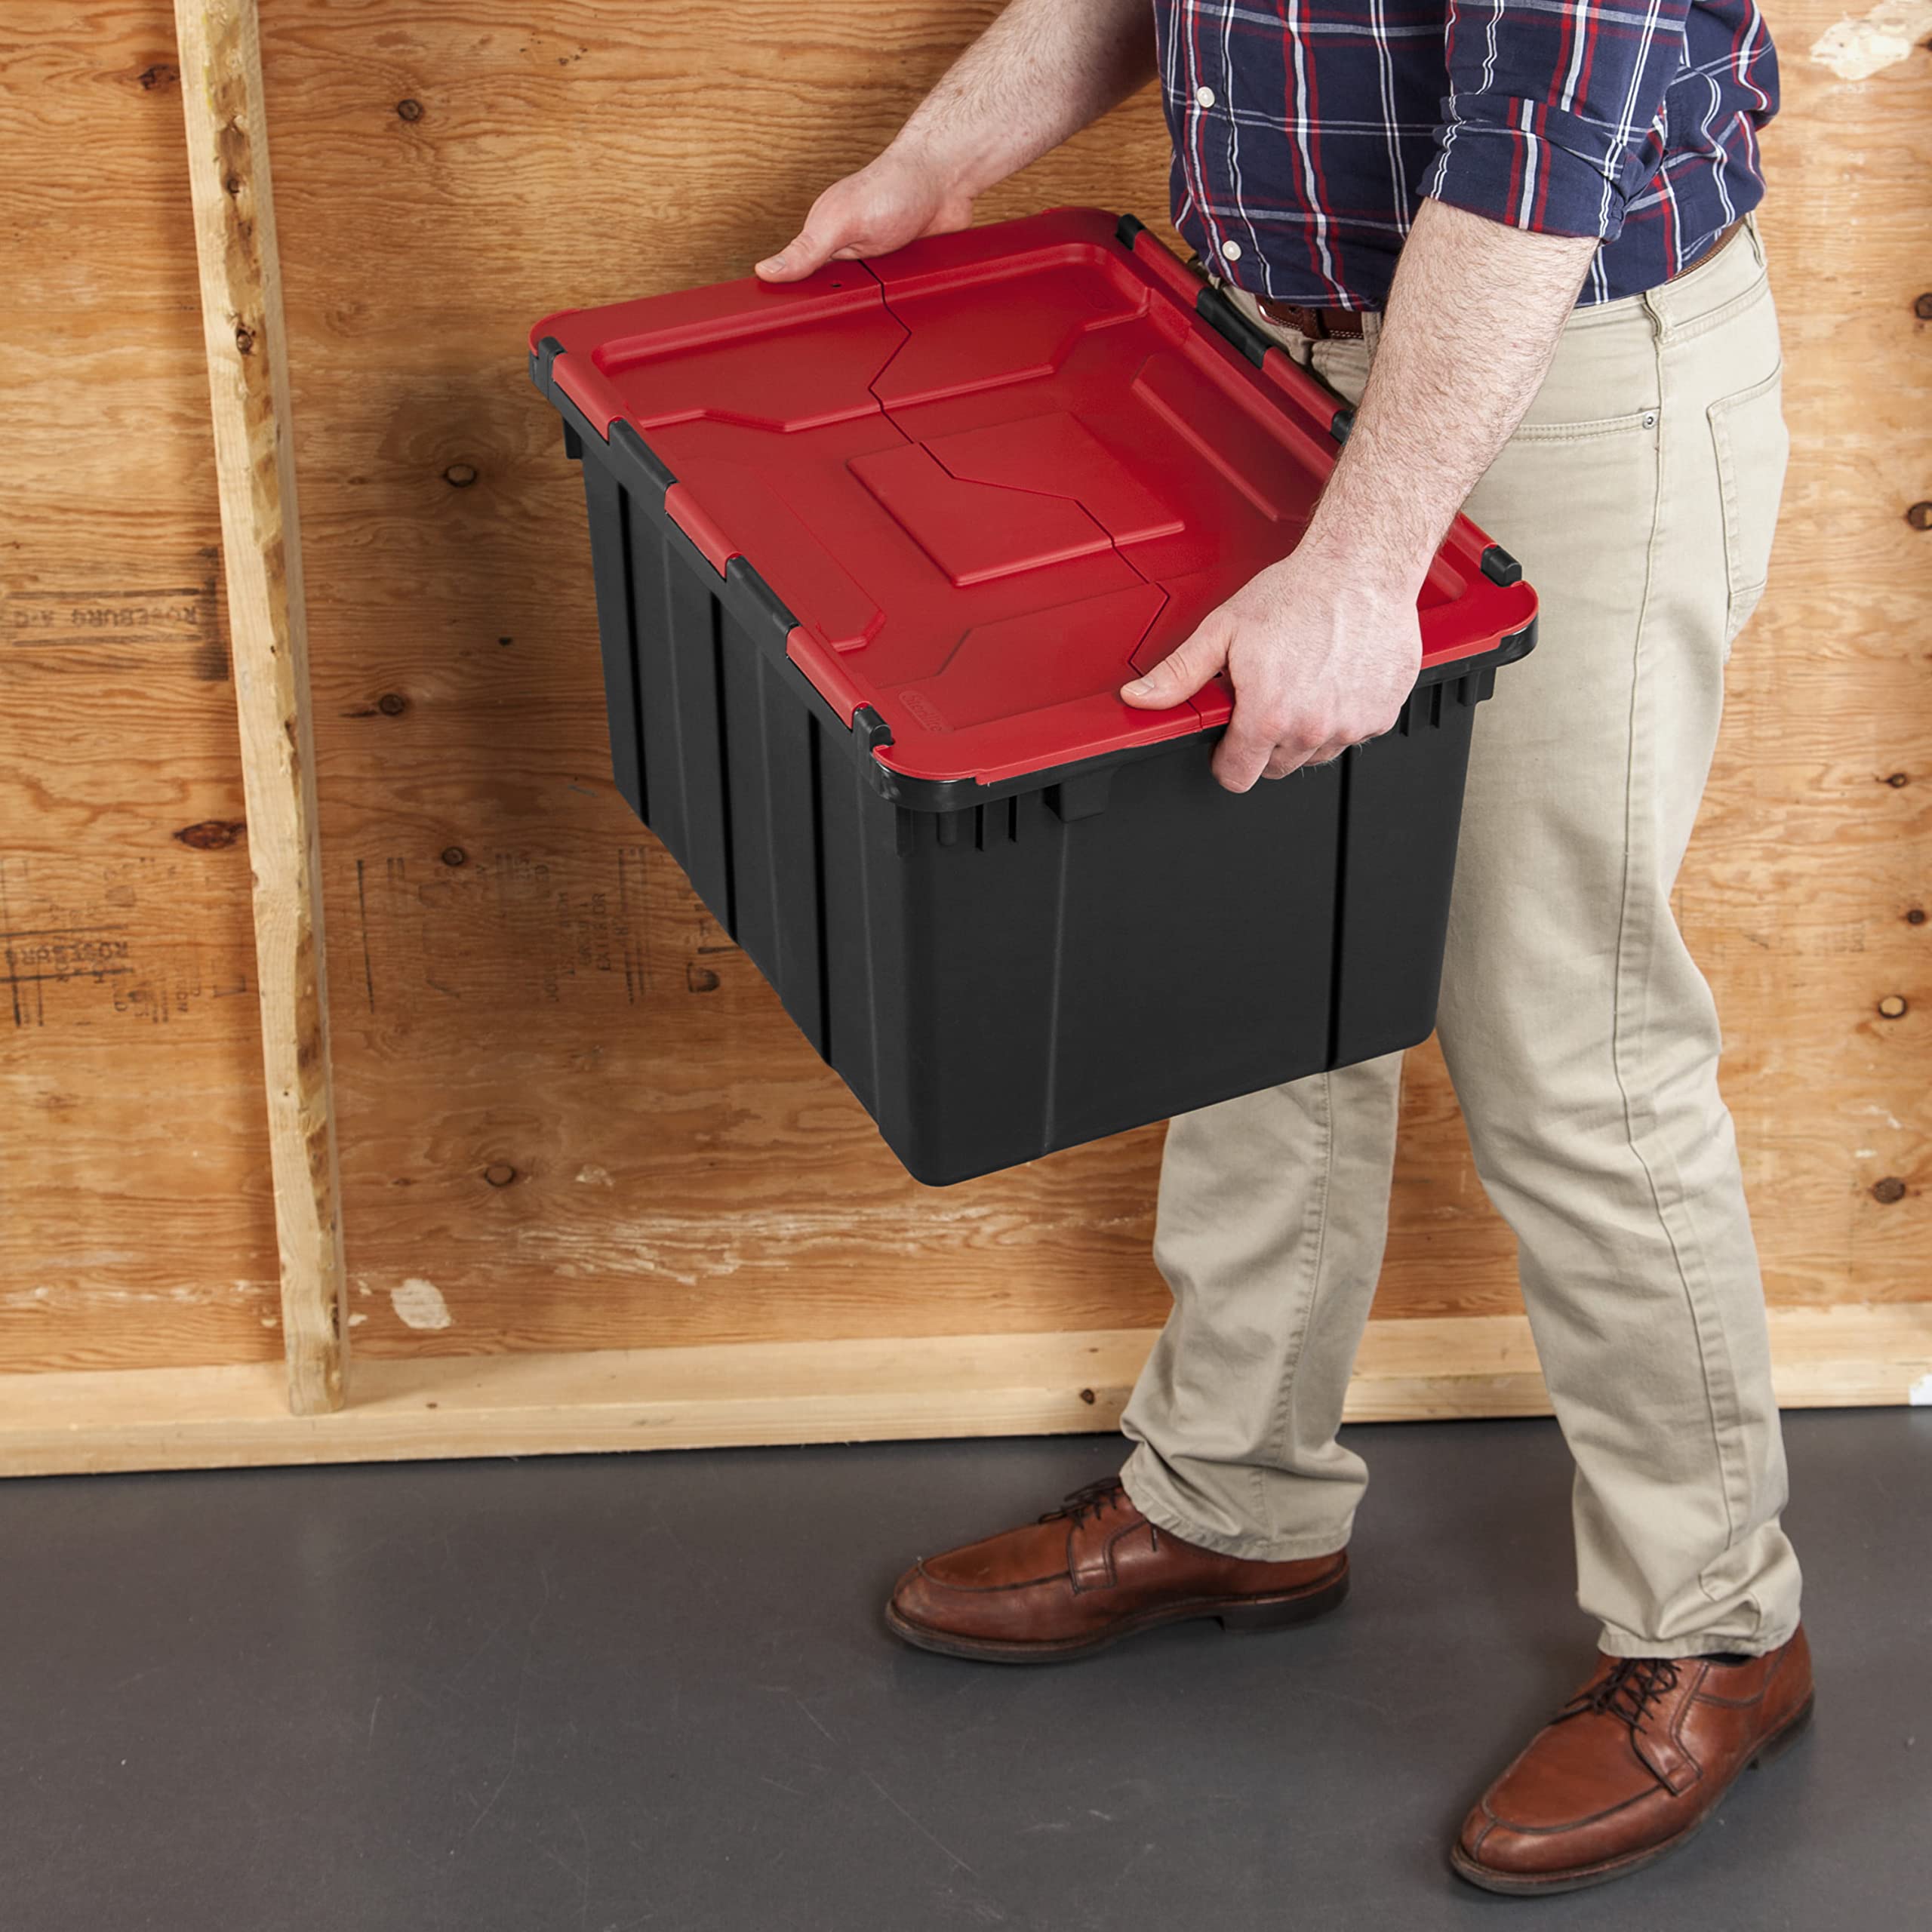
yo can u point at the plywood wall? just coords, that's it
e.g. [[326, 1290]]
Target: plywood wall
[[571, 1115], [135, 1220]]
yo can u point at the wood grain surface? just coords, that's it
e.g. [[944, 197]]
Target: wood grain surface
[[557, 1402], [566, 1102], [572, 1117], [136, 1222], [231, 186]]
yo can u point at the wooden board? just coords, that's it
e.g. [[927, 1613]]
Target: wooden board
[[230, 185], [553, 1008], [1811, 859], [567, 1104], [710, 1396], [573, 1119], [136, 1225]]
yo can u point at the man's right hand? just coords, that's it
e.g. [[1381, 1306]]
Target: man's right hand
[[1042, 70], [892, 200]]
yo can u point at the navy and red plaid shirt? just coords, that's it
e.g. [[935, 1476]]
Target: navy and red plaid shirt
[[1306, 131]]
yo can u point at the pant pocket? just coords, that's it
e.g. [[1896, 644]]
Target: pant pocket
[[1595, 430], [1748, 431]]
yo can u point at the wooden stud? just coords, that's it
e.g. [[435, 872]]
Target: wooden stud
[[242, 312]]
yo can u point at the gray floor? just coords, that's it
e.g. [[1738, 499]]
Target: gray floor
[[654, 1692]]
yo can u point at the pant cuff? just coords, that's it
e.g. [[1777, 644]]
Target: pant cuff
[[1706, 1643], [1152, 1498]]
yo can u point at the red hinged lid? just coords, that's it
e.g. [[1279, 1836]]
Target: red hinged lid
[[991, 476]]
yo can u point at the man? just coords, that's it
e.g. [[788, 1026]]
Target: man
[[1518, 237]]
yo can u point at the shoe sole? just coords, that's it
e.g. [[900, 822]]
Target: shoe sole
[[1579, 1878], [1246, 1617]]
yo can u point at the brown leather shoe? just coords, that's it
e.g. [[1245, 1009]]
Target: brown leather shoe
[[1631, 1768], [1089, 1574]]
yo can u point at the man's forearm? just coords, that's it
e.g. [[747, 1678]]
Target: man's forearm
[[1471, 325], [1323, 647], [1040, 72]]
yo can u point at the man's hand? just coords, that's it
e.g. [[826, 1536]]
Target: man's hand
[[1042, 71], [1323, 647], [889, 202], [1317, 662]]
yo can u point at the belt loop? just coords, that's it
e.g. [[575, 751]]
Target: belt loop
[[1757, 240], [1654, 308]]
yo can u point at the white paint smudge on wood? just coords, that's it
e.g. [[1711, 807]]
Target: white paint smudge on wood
[[1855, 50], [420, 1304]]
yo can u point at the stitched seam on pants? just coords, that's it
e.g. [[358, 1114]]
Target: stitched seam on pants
[[1634, 811], [1314, 1240], [1693, 326]]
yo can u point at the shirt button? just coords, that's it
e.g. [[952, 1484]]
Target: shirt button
[[1204, 97], [1232, 250]]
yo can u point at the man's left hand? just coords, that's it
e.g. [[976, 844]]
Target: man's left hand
[[1319, 658]]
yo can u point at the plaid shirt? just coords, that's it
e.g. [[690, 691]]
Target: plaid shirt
[[1305, 132]]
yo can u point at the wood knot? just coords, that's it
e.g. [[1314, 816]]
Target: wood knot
[[454, 855], [1887, 1191], [700, 979], [499, 1174], [244, 338], [1897, 779], [161, 75], [1087, 1395], [1922, 308], [212, 834], [1916, 917], [1893, 1007], [391, 704], [409, 110], [1920, 516], [459, 476]]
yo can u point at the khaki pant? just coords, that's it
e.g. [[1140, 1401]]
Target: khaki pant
[[1640, 495]]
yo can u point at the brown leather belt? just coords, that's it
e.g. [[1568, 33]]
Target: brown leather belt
[[1345, 324], [1317, 324], [1717, 248]]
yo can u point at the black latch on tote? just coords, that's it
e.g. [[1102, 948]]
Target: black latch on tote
[[541, 358], [625, 439], [871, 731], [1225, 319], [1500, 567], [741, 572]]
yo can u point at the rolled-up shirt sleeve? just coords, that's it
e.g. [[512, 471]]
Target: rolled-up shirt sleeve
[[1553, 118]]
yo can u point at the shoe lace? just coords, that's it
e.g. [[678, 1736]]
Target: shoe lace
[[1092, 1500], [1627, 1690]]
